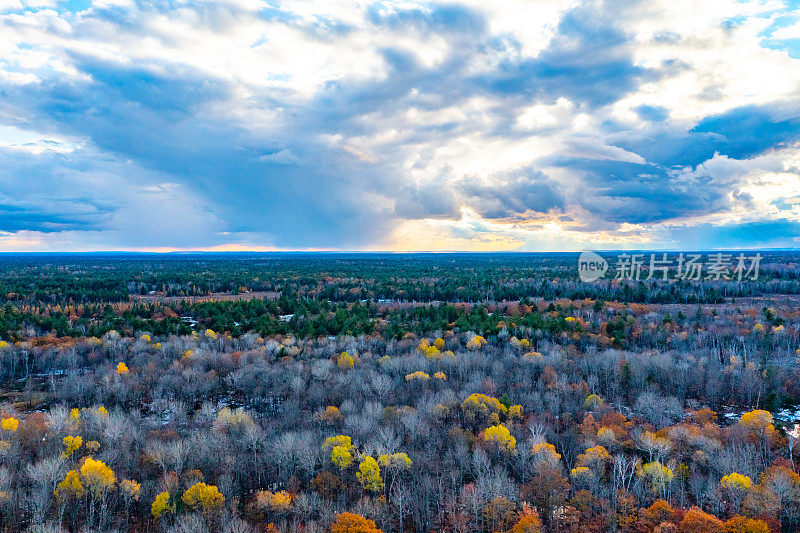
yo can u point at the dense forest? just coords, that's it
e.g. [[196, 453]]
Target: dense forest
[[395, 393]]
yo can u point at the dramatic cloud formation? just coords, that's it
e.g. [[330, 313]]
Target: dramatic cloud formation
[[522, 124]]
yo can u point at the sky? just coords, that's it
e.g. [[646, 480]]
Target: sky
[[399, 125]]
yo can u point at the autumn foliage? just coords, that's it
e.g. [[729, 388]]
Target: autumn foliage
[[437, 398], [206, 498], [353, 523]]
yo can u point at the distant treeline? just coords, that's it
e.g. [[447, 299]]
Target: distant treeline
[[324, 294]]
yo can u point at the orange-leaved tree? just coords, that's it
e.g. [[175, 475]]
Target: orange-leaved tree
[[353, 523], [528, 524], [741, 524], [697, 521]]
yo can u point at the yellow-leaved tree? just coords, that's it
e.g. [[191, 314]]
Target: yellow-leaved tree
[[479, 407], [341, 457], [735, 486], [501, 437], [735, 481], [395, 461], [759, 425], [97, 477], [275, 502], [658, 477], [369, 474], [545, 453], [71, 445], [131, 490], [431, 352], [595, 458], [475, 342], [741, 524], [71, 486], [345, 361], [10, 424], [206, 498], [394, 465], [757, 421], [582, 475], [231, 419], [341, 449], [593, 401], [162, 505]]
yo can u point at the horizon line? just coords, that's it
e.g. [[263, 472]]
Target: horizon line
[[394, 252]]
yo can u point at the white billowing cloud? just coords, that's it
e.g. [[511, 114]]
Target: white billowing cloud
[[516, 124], [791, 31], [10, 5], [544, 116], [718, 61]]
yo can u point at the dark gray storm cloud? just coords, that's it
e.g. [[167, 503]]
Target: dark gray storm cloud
[[508, 195], [589, 60], [742, 132]]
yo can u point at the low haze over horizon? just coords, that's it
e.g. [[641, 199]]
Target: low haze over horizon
[[399, 126]]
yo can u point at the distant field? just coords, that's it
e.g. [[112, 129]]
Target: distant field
[[213, 297]]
